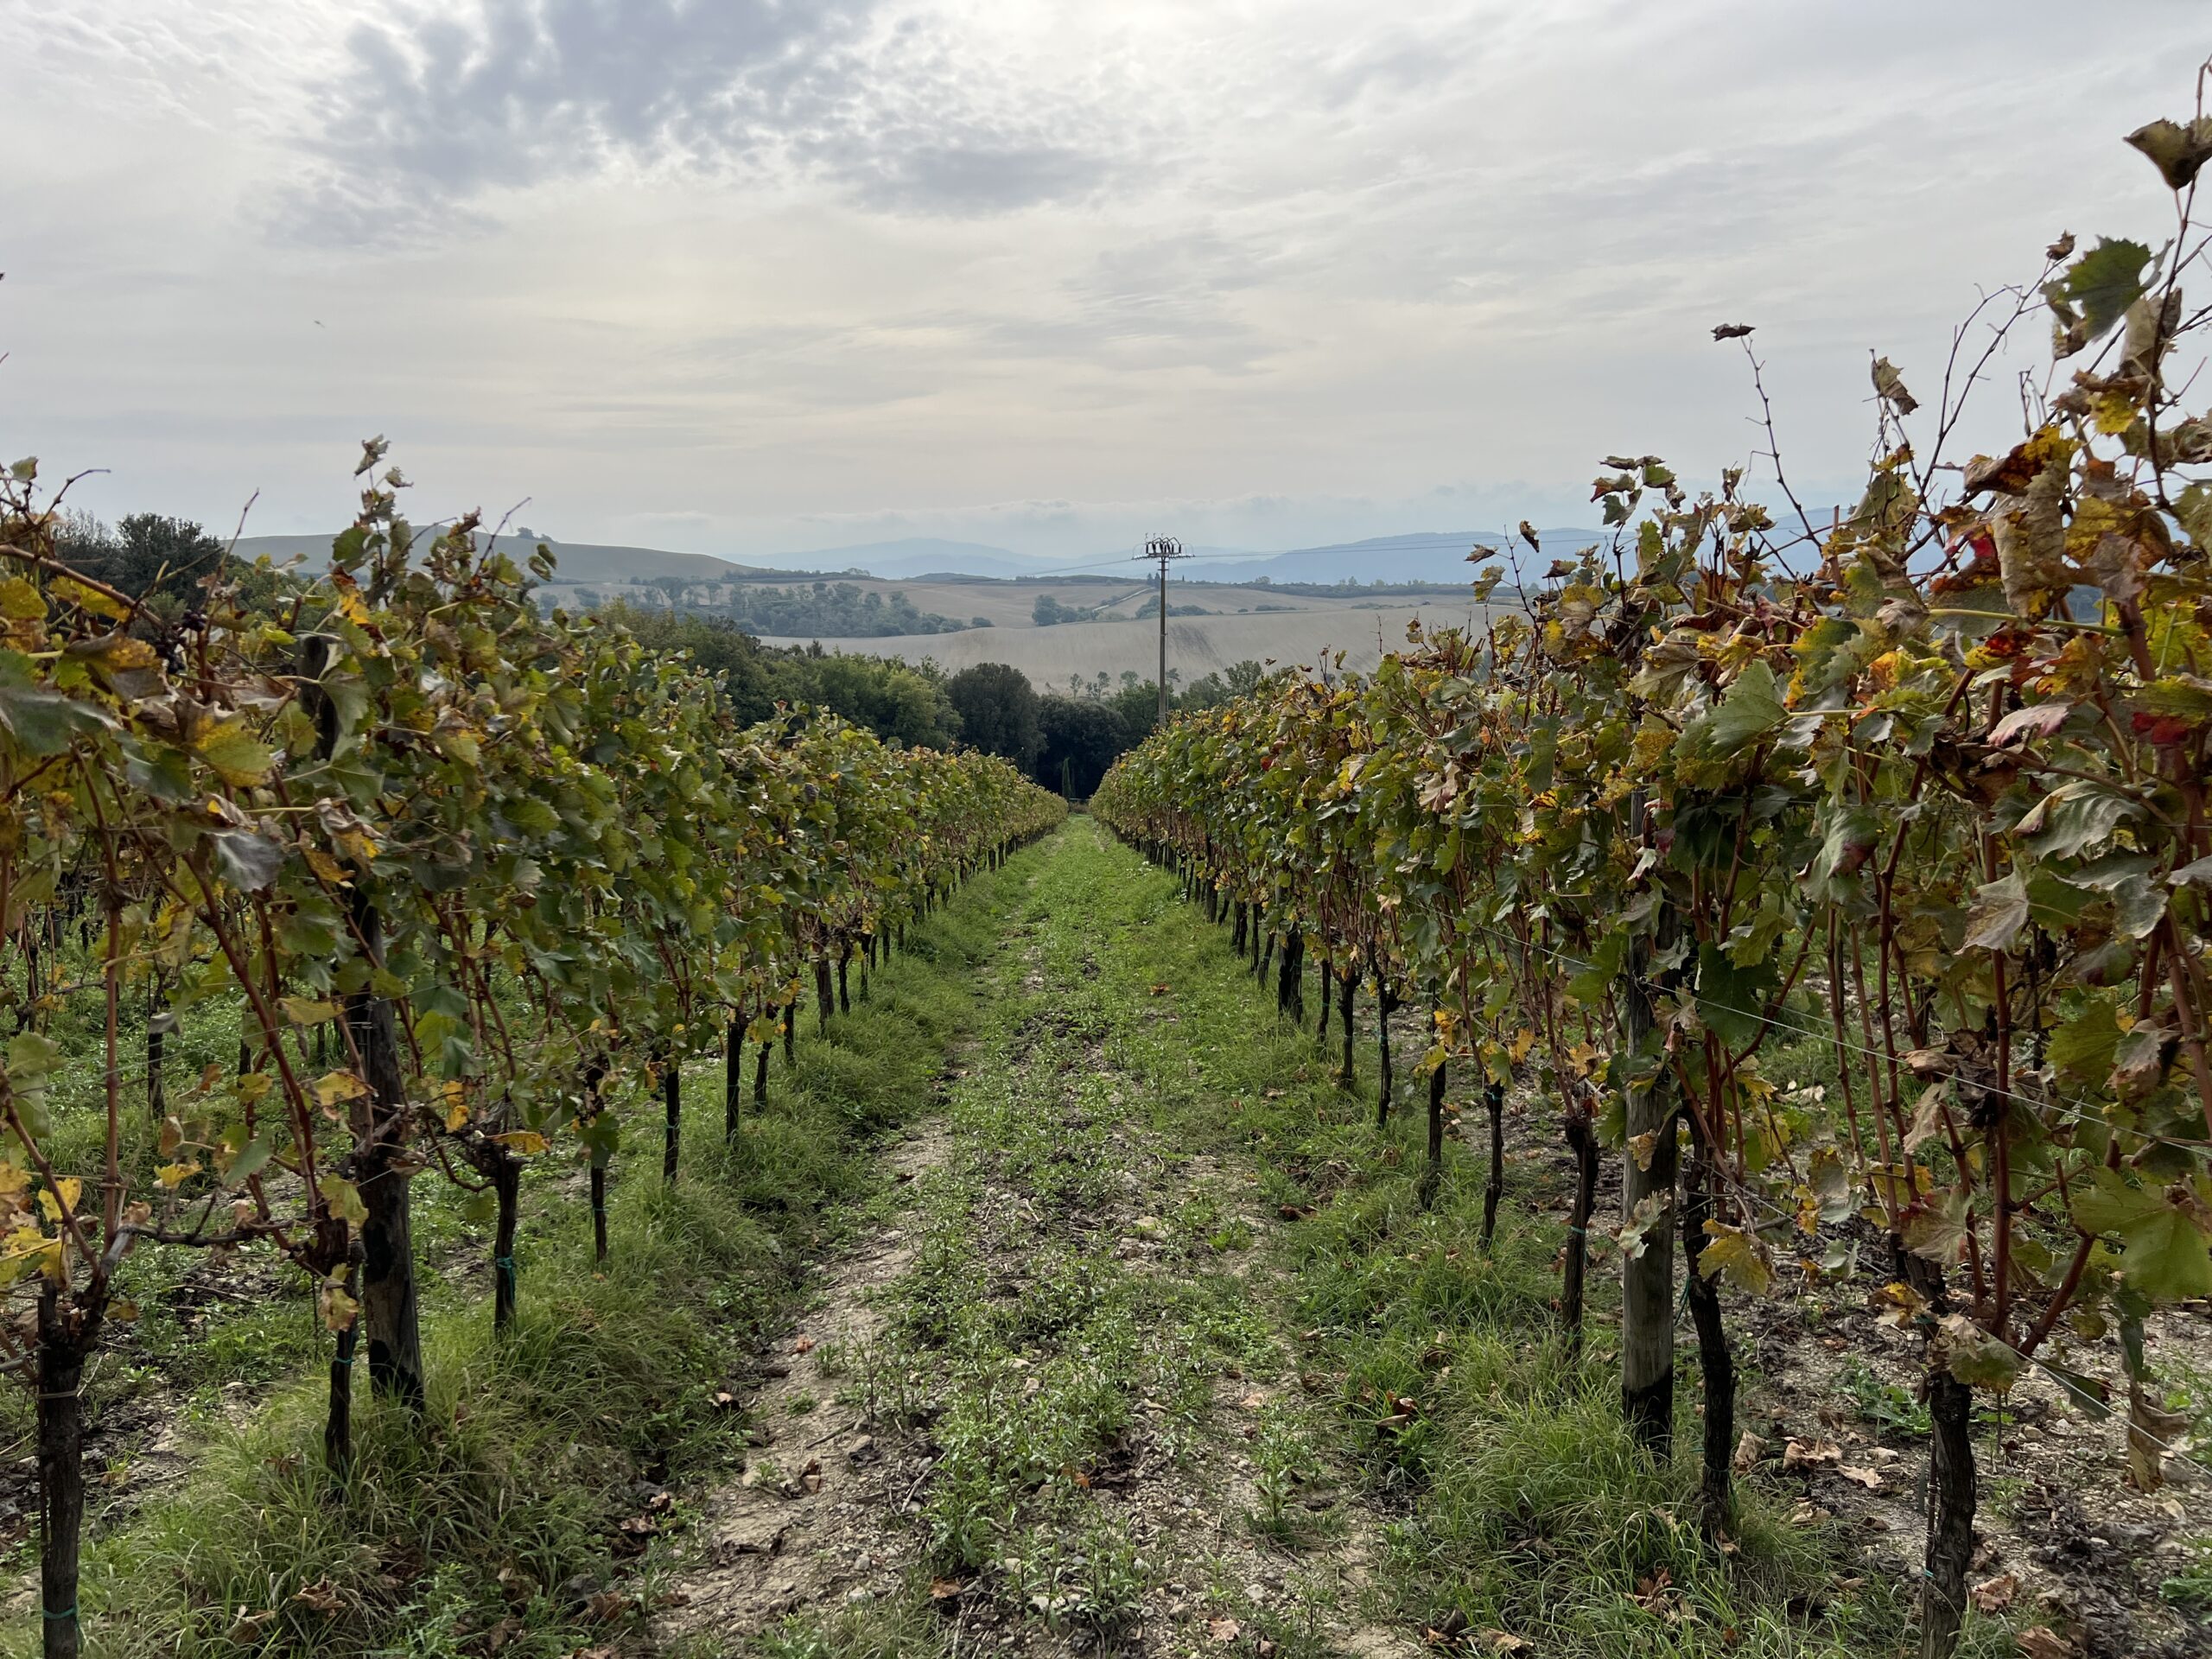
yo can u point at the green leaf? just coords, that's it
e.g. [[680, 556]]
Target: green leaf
[[1751, 711], [248, 861], [1731, 1000], [2139, 906], [2166, 1255], [1828, 1178], [1852, 832], [44, 723], [31, 1058], [2167, 1258], [251, 1158], [2083, 1046], [2105, 282], [2090, 1395], [1591, 984], [1999, 912]]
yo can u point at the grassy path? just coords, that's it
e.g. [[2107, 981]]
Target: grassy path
[[1156, 1352], [1075, 1413]]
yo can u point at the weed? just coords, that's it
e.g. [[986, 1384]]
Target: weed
[[1886, 1403], [2191, 1589]]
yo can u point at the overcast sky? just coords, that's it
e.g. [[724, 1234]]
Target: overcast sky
[[738, 276]]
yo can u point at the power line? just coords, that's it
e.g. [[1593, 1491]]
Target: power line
[[1165, 549]]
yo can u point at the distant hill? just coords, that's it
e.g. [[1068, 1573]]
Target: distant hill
[[578, 561], [1433, 555], [913, 556], [1438, 557]]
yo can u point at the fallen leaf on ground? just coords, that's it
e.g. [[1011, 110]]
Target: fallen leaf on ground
[[322, 1595], [1224, 1630], [2041, 1642], [1800, 1455], [1865, 1478], [1995, 1595]]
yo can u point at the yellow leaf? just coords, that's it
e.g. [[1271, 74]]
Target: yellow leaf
[[28, 1250], [21, 601], [70, 1188], [526, 1143], [338, 1308], [176, 1174], [343, 1198], [326, 868], [238, 760], [308, 1011], [333, 1087], [115, 653], [1733, 1253], [70, 591]]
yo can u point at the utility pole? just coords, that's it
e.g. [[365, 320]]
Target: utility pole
[[1163, 548]]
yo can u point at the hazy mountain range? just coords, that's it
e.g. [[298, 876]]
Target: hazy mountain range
[[1429, 556]]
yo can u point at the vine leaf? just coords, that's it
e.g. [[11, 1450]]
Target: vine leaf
[[44, 722], [1999, 912], [2177, 151], [1633, 1238], [1751, 711], [236, 759], [343, 1198], [2099, 286], [1734, 1254], [2166, 1257], [1978, 1359], [1890, 387], [249, 862], [2084, 1046], [1731, 1000]]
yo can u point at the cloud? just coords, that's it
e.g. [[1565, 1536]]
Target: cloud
[[430, 116]]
